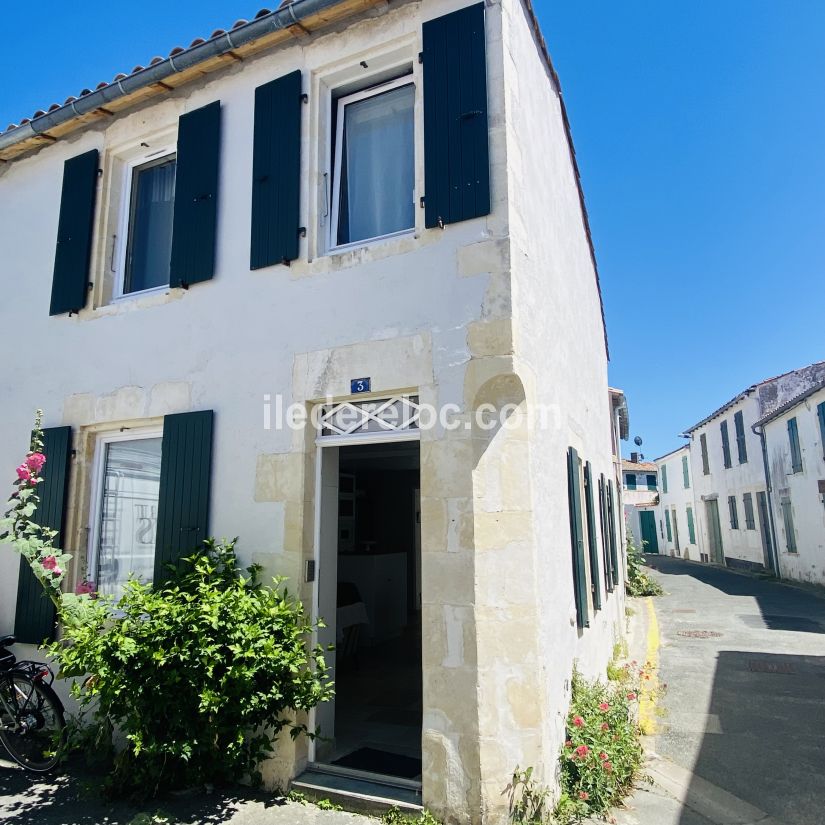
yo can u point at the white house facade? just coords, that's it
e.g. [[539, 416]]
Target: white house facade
[[733, 514], [795, 445], [675, 513], [359, 212]]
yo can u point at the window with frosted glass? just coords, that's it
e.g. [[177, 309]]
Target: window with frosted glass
[[151, 210], [374, 165], [128, 513]]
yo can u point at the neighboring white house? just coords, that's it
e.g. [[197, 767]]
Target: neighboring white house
[[640, 486], [795, 445], [368, 211], [730, 489], [675, 513]]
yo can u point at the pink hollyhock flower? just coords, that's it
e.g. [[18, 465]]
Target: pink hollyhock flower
[[85, 588], [49, 562], [602, 756], [35, 462], [23, 473], [584, 795], [604, 706], [631, 695], [57, 571], [582, 750], [578, 721]]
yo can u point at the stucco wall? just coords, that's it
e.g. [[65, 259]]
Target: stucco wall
[[808, 563], [561, 357]]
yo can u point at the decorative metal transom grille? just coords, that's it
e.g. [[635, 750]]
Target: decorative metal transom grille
[[382, 415]]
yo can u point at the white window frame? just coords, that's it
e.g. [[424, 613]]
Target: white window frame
[[343, 102], [98, 476], [124, 219]]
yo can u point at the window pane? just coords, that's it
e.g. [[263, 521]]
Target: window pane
[[377, 170], [150, 226], [128, 517]]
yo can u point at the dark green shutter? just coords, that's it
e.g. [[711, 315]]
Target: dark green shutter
[[703, 443], [741, 445], [608, 572], [796, 452], [590, 510], [611, 515], [276, 172], [35, 614], [70, 281], [691, 527], [820, 411], [664, 478], [456, 151], [685, 472], [183, 499], [723, 427], [577, 538], [667, 525], [196, 196]]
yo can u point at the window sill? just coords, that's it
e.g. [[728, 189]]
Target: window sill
[[141, 293], [369, 243]]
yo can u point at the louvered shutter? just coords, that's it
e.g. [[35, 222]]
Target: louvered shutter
[[590, 510], [35, 613], [194, 223], [183, 498], [685, 472], [276, 172], [608, 572], [611, 515], [691, 527], [456, 151], [820, 411], [70, 281], [667, 525], [577, 538]]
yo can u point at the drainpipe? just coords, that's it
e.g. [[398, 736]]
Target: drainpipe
[[282, 18], [760, 431]]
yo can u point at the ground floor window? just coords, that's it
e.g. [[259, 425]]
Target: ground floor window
[[124, 510]]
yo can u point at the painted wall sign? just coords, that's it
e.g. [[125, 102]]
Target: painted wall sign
[[360, 385]]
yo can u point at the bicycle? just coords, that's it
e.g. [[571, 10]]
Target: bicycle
[[32, 723]]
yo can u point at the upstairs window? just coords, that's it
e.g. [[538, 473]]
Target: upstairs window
[[149, 227], [651, 481], [630, 481], [374, 171]]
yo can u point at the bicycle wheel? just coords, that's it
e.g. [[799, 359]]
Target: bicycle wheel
[[34, 730]]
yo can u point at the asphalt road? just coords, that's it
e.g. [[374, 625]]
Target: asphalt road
[[744, 661]]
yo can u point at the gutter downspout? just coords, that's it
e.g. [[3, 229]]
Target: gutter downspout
[[760, 431], [283, 18]]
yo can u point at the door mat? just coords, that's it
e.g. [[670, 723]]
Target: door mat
[[383, 762]]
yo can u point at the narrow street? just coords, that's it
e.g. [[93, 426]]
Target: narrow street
[[743, 719]]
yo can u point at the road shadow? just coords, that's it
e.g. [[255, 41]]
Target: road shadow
[[71, 797], [767, 736], [781, 607]]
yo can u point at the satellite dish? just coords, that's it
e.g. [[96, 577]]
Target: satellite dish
[[638, 441]]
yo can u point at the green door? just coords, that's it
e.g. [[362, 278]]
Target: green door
[[649, 539]]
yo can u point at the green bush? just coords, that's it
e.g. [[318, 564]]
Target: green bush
[[603, 752], [639, 583], [200, 675]]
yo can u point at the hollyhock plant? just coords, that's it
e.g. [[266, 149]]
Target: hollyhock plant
[[33, 541]]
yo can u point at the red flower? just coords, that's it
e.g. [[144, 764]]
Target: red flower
[[23, 473], [604, 706], [607, 765], [605, 726], [602, 756], [582, 751], [631, 695], [568, 744], [49, 562], [578, 721], [584, 795]]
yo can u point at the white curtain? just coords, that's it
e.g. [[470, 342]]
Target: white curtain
[[379, 174]]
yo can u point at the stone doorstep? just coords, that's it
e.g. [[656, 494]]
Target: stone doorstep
[[356, 794]]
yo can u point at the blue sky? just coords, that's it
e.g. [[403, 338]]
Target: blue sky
[[700, 133]]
